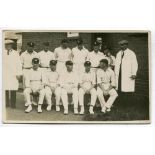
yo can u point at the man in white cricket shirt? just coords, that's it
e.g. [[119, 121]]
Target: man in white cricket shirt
[[87, 83], [35, 82], [52, 86], [106, 86], [69, 85]]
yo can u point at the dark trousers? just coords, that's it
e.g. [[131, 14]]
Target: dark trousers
[[10, 98], [126, 99]]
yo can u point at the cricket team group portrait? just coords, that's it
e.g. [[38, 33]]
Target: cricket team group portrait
[[76, 76]]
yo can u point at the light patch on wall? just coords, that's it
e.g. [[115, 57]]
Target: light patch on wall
[[72, 34]]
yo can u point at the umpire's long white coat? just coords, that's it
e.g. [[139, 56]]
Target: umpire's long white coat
[[129, 68], [12, 68]]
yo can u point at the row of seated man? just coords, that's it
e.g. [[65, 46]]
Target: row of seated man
[[99, 83]]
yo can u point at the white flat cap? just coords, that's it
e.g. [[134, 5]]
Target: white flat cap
[[123, 42], [9, 41]]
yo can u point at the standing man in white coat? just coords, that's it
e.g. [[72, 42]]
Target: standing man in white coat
[[12, 73], [126, 67]]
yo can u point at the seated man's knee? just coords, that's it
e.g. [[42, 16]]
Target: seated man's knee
[[42, 92], [63, 92], [27, 91], [81, 91], [75, 91], [113, 92], [58, 91], [99, 92], [93, 91]]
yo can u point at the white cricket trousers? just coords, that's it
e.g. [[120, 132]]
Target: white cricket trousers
[[48, 95], [64, 97], [93, 96], [27, 95], [113, 95]]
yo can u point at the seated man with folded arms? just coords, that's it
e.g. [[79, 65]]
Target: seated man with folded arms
[[69, 85], [87, 83], [52, 86], [34, 83], [106, 86]]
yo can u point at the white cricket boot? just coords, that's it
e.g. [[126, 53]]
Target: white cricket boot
[[82, 110], [49, 107], [57, 108], [103, 109], [29, 109], [91, 111], [39, 109], [76, 111], [65, 111], [108, 109]]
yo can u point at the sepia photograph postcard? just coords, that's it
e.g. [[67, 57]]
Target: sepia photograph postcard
[[76, 76]]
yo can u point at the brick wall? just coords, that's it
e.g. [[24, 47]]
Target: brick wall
[[137, 42], [54, 38]]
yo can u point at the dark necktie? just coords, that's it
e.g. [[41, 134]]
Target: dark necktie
[[8, 52], [120, 74], [122, 55]]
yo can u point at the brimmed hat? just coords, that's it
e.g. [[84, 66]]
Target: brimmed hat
[[123, 42], [9, 41]]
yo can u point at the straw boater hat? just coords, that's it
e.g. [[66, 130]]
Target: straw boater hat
[[9, 41]]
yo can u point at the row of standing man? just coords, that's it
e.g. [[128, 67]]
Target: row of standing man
[[93, 71]]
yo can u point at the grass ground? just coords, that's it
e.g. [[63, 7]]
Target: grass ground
[[137, 110]]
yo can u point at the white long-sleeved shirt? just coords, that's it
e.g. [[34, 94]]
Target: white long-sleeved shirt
[[106, 77], [52, 78], [95, 58], [87, 77], [68, 78], [35, 79], [26, 58], [62, 55], [45, 58], [79, 56]]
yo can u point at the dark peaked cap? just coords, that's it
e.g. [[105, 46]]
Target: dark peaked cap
[[30, 44], [87, 63], [104, 61], [53, 62], [35, 60], [69, 63]]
